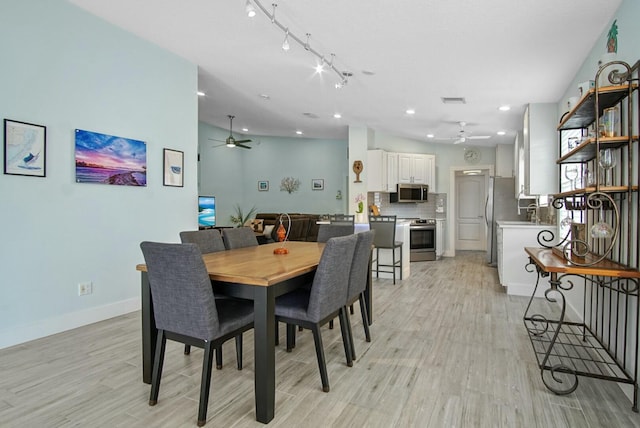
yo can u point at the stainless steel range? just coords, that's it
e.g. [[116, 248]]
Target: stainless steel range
[[422, 242]]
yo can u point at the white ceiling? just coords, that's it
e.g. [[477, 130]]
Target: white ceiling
[[491, 52]]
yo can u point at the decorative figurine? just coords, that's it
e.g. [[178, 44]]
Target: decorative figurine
[[357, 168]]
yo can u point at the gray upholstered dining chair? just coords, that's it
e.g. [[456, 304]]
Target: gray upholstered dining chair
[[385, 239], [311, 308], [358, 281], [186, 311], [239, 237], [209, 241], [326, 231]]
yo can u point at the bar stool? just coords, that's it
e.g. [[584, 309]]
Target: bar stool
[[385, 238]]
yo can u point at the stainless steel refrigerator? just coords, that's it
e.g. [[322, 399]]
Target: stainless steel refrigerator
[[501, 204]]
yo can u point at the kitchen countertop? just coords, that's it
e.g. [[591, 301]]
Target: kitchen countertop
[[513, 223]]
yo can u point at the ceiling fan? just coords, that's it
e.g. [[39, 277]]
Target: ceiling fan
[[463, 136], [230, 141]]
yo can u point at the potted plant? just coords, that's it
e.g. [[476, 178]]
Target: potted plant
[[240, 218]]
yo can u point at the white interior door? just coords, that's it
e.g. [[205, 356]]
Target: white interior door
[[470, 224]]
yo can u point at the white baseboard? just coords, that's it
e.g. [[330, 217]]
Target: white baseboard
[[16, 335]]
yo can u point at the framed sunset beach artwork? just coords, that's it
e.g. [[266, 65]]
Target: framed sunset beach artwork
[[107, 159]]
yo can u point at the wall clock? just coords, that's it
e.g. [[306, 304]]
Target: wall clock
[[471, 156]]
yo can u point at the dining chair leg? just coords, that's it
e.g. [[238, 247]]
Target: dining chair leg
[[331, 325], [161, 344], [277, 333], [239, 351], [219, 357], [351, 309], [365, 318], [205, 382], [187, 349], [393, 262], [322, 365], [291, 337], [345, 329]]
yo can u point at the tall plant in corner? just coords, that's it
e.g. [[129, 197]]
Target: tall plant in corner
[[240, 218]]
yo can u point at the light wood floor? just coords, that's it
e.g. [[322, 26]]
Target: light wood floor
[[449, 350]]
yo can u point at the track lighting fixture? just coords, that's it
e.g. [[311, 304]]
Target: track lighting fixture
[[288, 35], [251, 11], [306, 45]]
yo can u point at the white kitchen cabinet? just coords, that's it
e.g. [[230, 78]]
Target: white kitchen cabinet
[[504, 160], [392, 172], [440, 236], [376, 169], [540, 149], [416, 168], [512, 237]]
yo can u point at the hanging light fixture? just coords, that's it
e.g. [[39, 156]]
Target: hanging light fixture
[[251, 11], [285, 43], [288, 35]]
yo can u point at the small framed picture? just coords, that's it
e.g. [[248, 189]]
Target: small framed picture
[[25, 147], [173, 168], [317, 184], [263, 186]]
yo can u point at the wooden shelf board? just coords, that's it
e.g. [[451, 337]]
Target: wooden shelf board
[[586, 151], [549, 262], [592, 189], [583, 114]]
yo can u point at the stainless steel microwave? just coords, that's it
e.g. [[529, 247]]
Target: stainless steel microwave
[[410, 193]]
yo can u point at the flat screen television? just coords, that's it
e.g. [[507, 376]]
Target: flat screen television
[[206, 211]]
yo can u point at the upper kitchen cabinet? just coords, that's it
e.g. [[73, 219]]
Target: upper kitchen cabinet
[[417, 168], [540, 149], [504, 160], [377, 164]]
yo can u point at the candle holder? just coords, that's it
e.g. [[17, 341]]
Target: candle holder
[[283, 235]]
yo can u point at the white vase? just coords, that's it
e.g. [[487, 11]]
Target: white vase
[[361, 218]]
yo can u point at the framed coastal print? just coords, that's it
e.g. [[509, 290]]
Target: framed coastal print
[[263, 186], [25, 147], [107, 159], [317, 184], [173, 168]]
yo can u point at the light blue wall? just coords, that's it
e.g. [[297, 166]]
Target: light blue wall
[[65, 69], [232, 174]]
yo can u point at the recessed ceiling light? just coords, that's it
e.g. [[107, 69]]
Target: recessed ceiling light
[[501, 133], [299, 132], [504, 108], [430, 135], [410, 111], [337, 115], [245, 129], [265, 96], [201, 94]]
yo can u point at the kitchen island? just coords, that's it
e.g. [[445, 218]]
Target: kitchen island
[[512, 237]]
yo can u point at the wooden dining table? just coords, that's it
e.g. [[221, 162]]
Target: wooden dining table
[[254, 273]]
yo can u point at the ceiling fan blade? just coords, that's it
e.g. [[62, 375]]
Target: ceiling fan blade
[[479, 137], [242, 141], [242, 145], [215, 139]]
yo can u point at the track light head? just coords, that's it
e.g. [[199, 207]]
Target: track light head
[[251, 11], [285, 43]]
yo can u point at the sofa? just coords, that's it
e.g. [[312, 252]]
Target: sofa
[[303, 226]]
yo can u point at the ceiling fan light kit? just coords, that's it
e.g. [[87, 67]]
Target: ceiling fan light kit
[[230, 141], [288, 35]]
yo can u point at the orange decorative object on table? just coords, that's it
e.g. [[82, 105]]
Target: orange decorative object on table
[[282, 236]]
